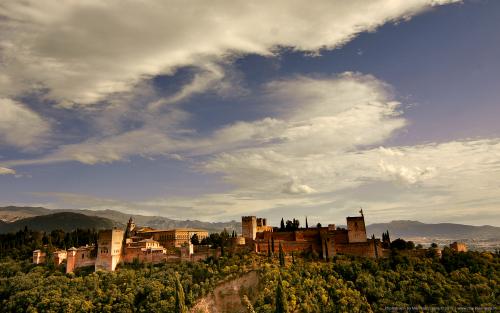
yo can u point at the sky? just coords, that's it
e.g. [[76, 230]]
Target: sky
[[214, 110]]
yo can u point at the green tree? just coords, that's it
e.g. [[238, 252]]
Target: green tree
[[272, 245], [281, 255], [195, 240], [281, 303], [180, 302]]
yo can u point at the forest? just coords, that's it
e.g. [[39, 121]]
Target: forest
[[288, 283]]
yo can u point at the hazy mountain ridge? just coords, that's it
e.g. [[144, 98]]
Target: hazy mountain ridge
[[397, 229], [13, 213], [66, 221], [406, 229], [159, 222]]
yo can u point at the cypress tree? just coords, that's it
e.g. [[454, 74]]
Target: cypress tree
[[272, 245], [180, 301], [281, 256], [281, 304], [282, 225], [307, 224]]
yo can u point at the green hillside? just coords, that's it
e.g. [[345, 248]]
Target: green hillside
[[66, 221]]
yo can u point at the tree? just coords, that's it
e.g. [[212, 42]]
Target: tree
[[307, 224], [281, 256], [410, 245], [195, 240], [272, 245], [398, 244], [281, 303], [318, 225], [180, 302], [282, 225]]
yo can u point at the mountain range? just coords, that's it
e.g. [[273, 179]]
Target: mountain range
[[13, 218], [408, 229], [66, 221]]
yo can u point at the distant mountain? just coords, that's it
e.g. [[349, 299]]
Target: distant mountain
[[12, 214], [66, 221], [408, 229], [160, 222]]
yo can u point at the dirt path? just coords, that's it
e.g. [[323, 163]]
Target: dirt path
[[227, 296]]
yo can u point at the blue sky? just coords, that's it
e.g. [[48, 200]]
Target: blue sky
[[213, 112]]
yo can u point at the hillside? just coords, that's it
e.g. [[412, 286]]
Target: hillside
[[66, 221], [161, 222], [13, 213]]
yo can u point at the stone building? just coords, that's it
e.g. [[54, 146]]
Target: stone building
[[173, 238], [109, 249], [458, 247], [251, 225], [324, 241], [116, 246], [39, 257], [80, 257]]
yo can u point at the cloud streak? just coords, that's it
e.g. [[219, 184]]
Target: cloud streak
[[21, 127]]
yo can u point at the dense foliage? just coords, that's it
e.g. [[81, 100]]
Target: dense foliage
[[349, 284], [133, 288], [20, 245], [288, 283]]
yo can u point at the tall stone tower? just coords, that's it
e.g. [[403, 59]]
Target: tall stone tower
[[71, 260], [109, 249], [249, 227], [356, 230], [130, 228]]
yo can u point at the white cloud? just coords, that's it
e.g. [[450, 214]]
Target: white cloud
[[318, 121], [20, 126], [7, 171], [81, 52], [320, 151], [293, 187]]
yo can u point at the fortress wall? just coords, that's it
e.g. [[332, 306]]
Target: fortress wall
[[365, 249]]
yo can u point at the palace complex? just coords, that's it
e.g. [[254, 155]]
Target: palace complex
[[324, 241], [142, 244], [149, 245]]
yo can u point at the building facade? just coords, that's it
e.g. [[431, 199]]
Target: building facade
[[458, 247], [115, 246], [173, 238], [324, 241]]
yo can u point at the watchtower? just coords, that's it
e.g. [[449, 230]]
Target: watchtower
[[356, 230], [130, 228], [249, 227], [109, 249]]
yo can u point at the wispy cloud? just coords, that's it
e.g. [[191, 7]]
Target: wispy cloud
[[7, 171], [21, 127]]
